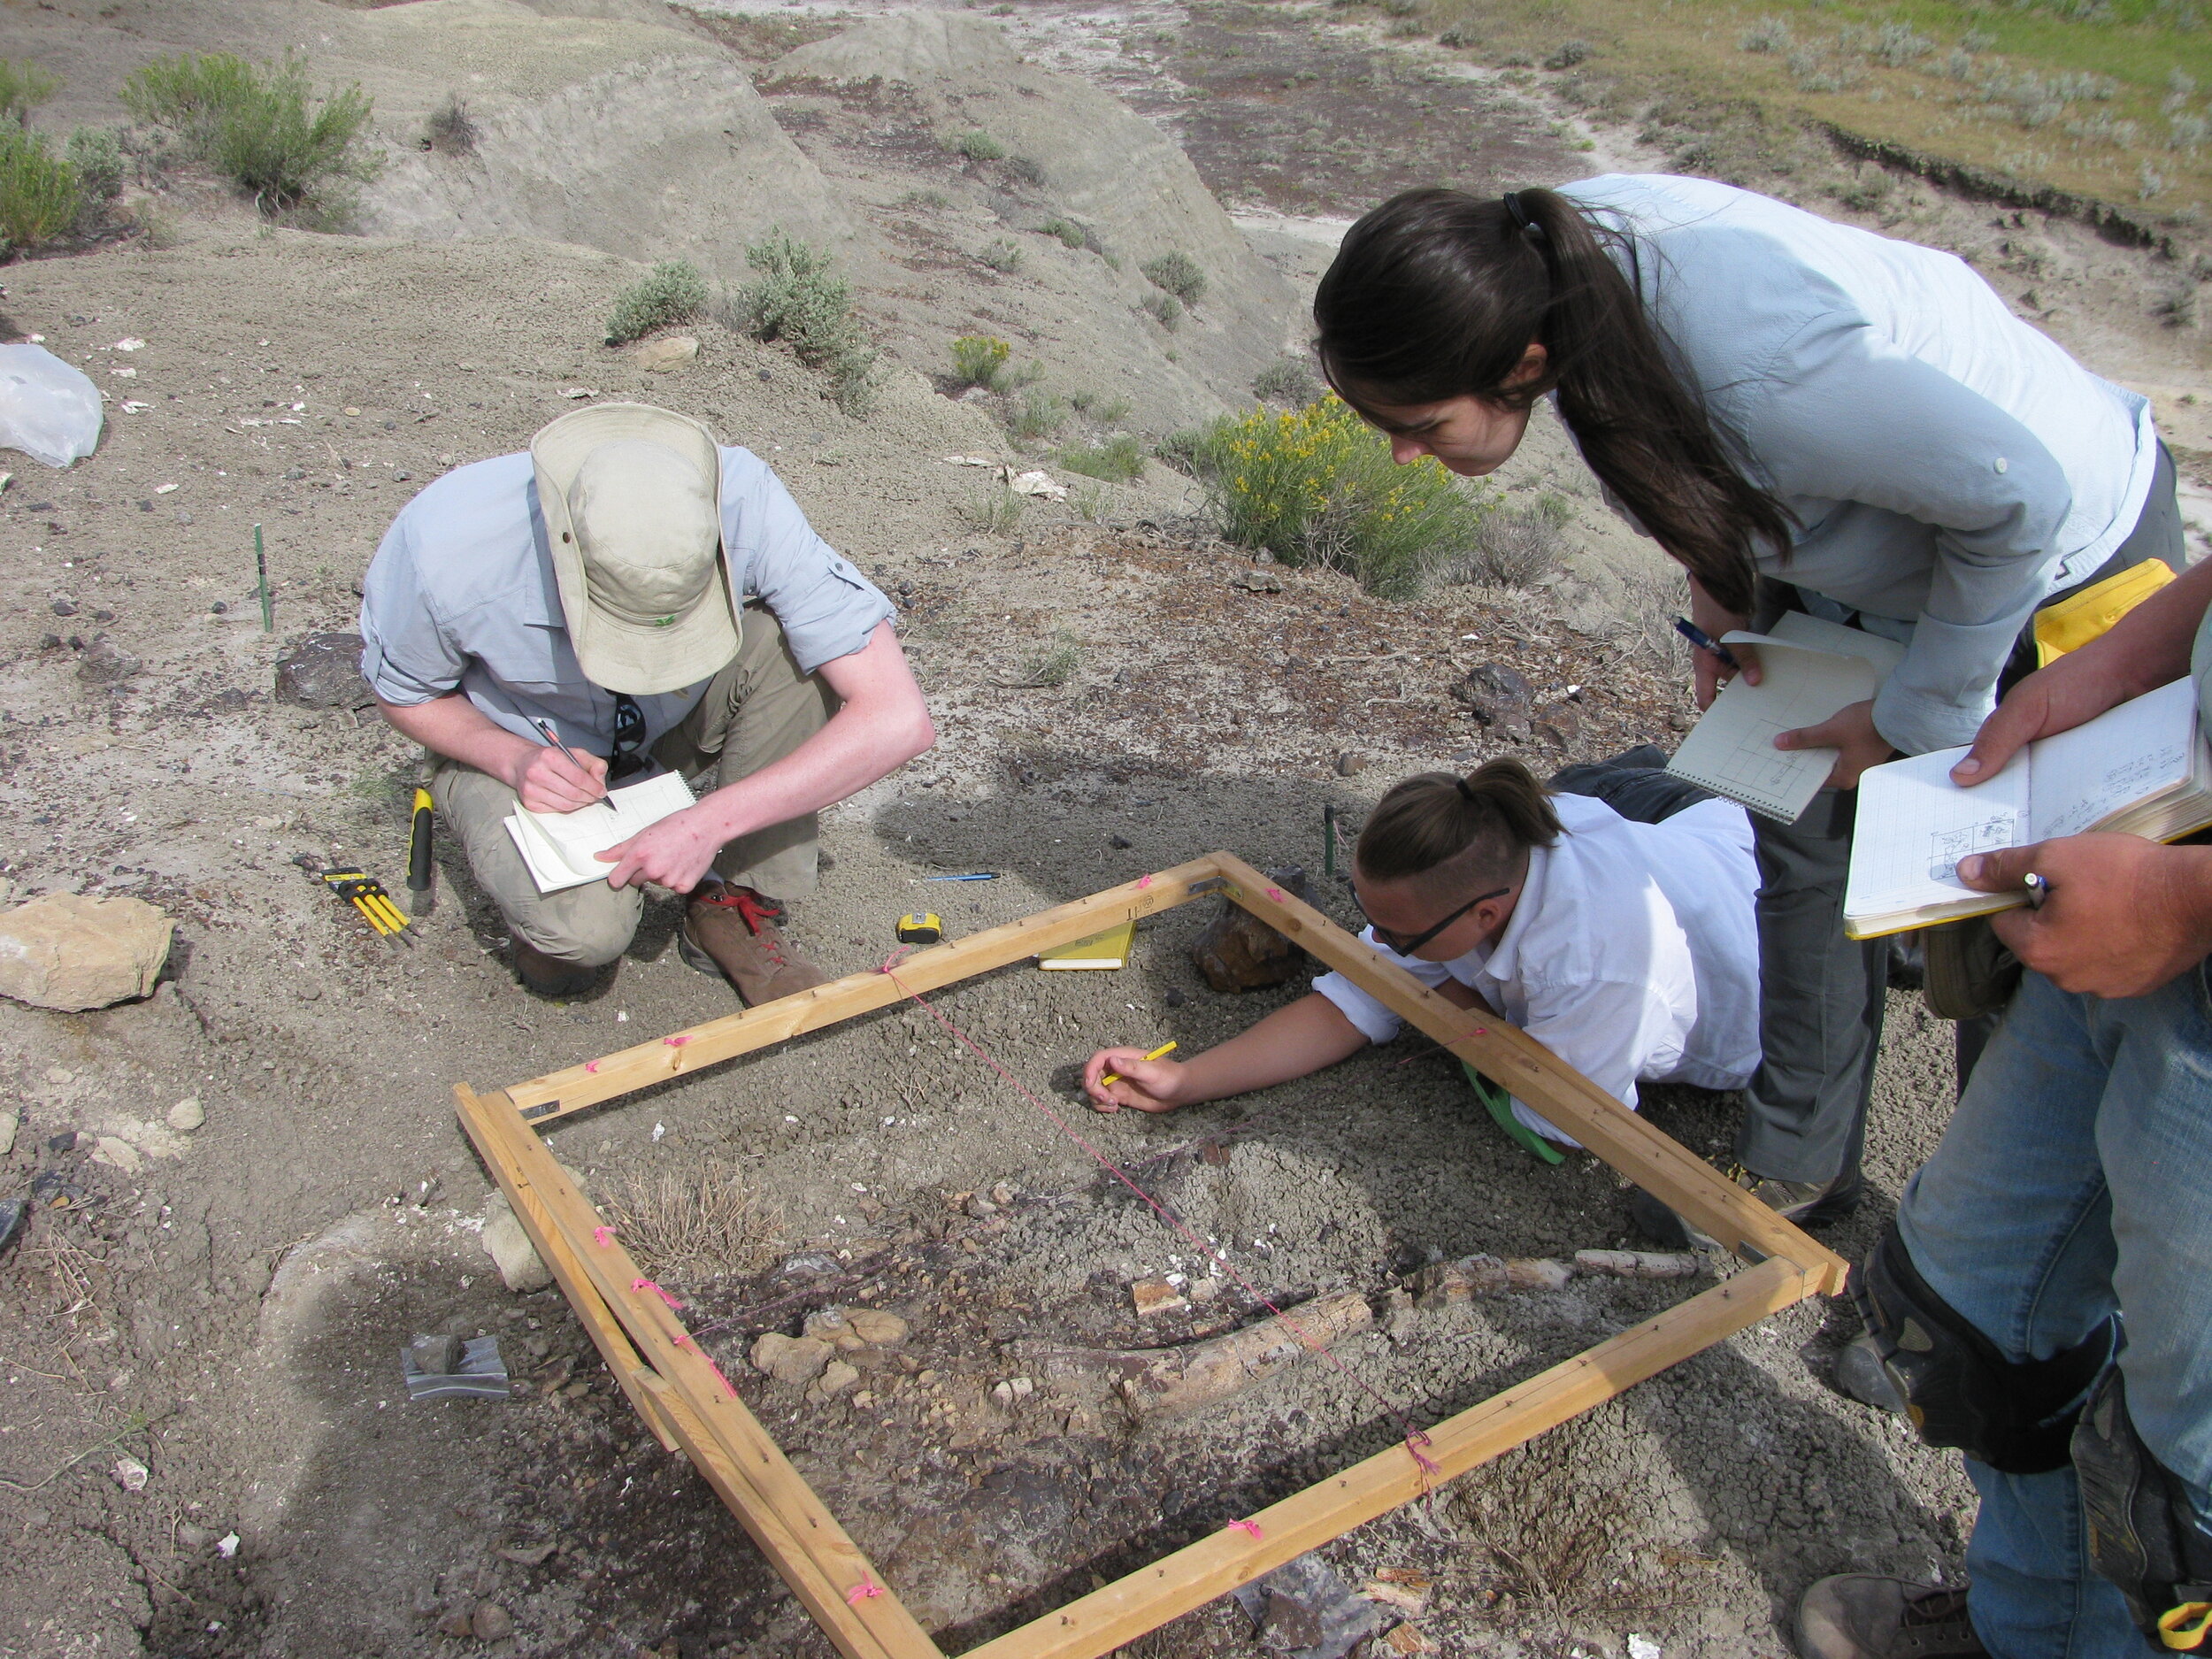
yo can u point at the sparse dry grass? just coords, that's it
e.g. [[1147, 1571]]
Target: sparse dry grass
[[694, 1227]]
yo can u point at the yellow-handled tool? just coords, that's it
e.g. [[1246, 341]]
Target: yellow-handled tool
[[1115, 1077], [421, 873]]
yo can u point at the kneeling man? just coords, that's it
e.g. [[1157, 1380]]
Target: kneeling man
[[658, 601]]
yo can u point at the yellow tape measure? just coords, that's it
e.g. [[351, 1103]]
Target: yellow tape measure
[[920, 927]]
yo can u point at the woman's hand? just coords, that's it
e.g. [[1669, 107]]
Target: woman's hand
[[1850, 729], [1150, 1086], [1712, 674]]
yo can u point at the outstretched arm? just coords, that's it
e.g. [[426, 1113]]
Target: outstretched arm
[[1292, 1041], [884, 724]]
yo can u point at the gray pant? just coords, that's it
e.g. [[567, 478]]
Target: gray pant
[[755, 711], [1821, 995]]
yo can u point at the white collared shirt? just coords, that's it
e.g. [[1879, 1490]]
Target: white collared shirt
[[1632, 954]]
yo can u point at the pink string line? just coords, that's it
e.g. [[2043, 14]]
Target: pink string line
[[1414, 1438], [647, 1284], [863, 1591]]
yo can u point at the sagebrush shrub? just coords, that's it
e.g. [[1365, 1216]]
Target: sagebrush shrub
[[22, 86], [40, 198], [1317, 486], [979, 146], [1178, 274], [672, 292], [1288, 380], [255, 128], [802, 301], [1117, 460]]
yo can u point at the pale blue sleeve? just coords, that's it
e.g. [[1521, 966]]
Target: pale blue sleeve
[[828, 610], [1372, 1017], [1853, 418], [407, 655]]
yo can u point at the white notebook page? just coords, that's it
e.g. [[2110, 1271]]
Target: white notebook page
[[1914, 824], [559, 846], [1730, 751], [2125, 754]]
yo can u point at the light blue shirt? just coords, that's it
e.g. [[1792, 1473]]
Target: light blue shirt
[[1950, 467], [461, 596]]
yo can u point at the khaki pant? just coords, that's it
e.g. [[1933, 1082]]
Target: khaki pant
[[755, 711]]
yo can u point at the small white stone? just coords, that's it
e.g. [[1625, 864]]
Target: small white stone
[[188, 1115], [2004, 465]]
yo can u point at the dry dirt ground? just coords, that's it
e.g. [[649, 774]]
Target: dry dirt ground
[[228, 1308]]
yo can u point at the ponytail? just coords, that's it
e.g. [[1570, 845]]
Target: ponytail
[[1484, 822], [1437, 294]]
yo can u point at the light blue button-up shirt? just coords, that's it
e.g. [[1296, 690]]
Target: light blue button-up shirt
[[461, 596], [1949, 465]]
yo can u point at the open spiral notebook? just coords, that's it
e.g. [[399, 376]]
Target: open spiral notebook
[[557, 847], [1809, 670]]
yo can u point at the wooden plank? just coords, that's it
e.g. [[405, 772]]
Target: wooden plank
[[558, 1094], [1097, 1624], [799, 1537], [1515, 1061]]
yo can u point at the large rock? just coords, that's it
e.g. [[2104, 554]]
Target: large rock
[[520, 1270], [324, 672], [1239, 952], [68, 952]]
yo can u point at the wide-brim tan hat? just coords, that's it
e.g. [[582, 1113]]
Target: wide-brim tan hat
[[632, 496]]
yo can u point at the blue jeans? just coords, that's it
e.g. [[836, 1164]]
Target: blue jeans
[[2076, 1179]]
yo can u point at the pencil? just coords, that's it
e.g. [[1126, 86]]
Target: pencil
[[1115, 1077], [545, 728]]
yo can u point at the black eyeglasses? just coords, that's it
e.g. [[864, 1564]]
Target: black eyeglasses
[[629, 738], [1406, 947]]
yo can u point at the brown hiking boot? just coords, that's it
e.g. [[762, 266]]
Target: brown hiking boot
[[1862, 1615], [548, 976], [733, 932]]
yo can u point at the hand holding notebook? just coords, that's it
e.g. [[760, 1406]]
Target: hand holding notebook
[[2142, 768], [560, 847], [1810, 671]]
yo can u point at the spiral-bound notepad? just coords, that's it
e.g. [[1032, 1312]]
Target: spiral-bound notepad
[[1809, 670], [559, 847]]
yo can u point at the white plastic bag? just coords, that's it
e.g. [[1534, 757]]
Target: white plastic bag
[[48, 409]]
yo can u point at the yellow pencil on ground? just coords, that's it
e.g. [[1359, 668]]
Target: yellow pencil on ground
[[1115, 1077]]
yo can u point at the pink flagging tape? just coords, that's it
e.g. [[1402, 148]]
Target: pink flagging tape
[[647, 1284], [591, 1068], [1275, 893], [1144, 882], [1253, 1527], [865, 1590], [678, 1041], [1203, 1247], [603, 1237]]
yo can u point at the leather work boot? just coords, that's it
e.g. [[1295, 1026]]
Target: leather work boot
[[1807, 1203], [733, 932], [1861, 1615], [548, 976]]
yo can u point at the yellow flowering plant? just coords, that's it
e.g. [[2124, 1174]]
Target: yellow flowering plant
[[1317, 486]]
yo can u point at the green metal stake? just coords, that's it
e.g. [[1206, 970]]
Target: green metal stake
[[261, 568]]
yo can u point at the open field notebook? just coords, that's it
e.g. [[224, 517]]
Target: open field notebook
[[559, 846], [1809, 669], [2142, 768]]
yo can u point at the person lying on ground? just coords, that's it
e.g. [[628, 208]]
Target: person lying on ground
[[1624, 944], [2042, 1302], [1806, 416], [659, 602]]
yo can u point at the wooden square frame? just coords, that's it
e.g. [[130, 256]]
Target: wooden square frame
[[690, 1406]]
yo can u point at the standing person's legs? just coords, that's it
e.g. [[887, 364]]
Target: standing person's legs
[[2068, 1185], [561, 938], [1821, 999]]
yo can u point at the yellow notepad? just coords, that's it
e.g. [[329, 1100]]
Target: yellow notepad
[[1109, 949]]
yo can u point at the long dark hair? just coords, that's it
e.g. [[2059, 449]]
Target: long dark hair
[[1473, 828], [1437, 294]]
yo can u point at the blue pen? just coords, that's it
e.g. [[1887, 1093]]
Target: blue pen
[[980, 875], [1705, 642]]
